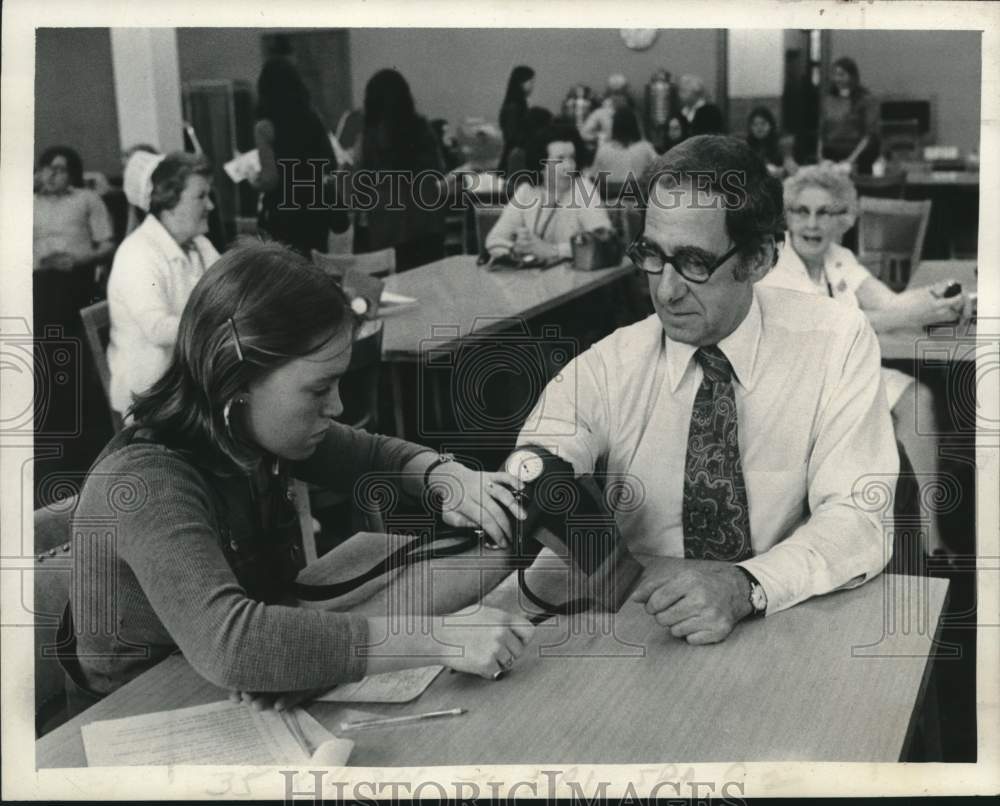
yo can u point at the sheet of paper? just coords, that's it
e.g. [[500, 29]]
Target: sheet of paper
[[328, 750], [243, 167], [219, 733], [401, 686], [391, 298]]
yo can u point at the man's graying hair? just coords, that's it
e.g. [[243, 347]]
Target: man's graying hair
[[728, 169]]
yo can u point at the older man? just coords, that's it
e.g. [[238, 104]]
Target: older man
[[745, 416], [702, 117]]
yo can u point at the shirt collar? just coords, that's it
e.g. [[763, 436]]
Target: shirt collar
[[157, 233], [740, 347]]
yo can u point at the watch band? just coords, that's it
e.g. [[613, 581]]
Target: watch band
[[442, 459], [757, 597]]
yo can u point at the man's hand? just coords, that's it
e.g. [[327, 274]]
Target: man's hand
[[701, 603]]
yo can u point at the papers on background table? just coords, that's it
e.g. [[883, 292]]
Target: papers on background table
[[390, 301], [401, 686], [219, 733], [244, 167]]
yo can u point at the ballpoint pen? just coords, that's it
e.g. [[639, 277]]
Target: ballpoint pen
[[399, 720]]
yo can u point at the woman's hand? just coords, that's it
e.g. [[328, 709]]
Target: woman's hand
[[490, 640], [474, 499], [926, 306], [279, 702], [530, 244]]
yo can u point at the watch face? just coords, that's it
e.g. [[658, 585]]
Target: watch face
[[758, 599], [525, 465]]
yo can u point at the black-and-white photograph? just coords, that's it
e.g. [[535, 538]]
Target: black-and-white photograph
[[490, 403]]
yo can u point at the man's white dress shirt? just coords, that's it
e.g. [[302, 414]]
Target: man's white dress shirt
[[814, 431]]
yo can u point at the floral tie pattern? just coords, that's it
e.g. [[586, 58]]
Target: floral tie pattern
[[715, 510]]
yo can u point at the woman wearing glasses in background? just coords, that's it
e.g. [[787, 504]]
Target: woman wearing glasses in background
[[545, 214], [821, 205]]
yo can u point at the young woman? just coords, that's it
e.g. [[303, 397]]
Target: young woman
[[762, 137], [206, 541], [848, 119], [514, 112], [626, 155], [288, 129], [153, 273], [407, 169], [820, 205], [543, 216]]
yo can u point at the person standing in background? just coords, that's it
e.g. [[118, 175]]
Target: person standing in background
[[702, 117], [514, 112], [288, 128], [848, 119], [398, 145]]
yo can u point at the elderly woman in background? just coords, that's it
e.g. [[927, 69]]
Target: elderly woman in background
[[153, 274], [820, 205], [72, 228], [543, 216]]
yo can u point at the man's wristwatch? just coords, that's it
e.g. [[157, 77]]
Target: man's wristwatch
[[757, 597]]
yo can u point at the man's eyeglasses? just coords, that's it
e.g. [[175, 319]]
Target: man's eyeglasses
[[823, 214], [693, 264]]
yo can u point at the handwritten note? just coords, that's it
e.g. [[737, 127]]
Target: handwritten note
[[401, 686], [219, 733]]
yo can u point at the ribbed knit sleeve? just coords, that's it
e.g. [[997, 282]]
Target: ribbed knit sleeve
[[348, 453], [169, 541]]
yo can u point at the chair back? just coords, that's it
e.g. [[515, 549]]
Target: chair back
[[378, 264], [486, 219], [891, 232], [359, 387], [53, 573], [889, 186], [97, 328]]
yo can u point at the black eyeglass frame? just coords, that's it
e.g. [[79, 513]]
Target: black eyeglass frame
[[633, 252]]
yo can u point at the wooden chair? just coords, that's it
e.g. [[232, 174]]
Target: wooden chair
[[486, 219], [378, 264], [891, 233], [97, 328], [53, 570]]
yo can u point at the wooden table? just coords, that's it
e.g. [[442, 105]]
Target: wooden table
[[457, 298], [957, 341], [838, 678]]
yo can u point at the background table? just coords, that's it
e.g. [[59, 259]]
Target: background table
[[958, 340], [838, 678], [455, 292]]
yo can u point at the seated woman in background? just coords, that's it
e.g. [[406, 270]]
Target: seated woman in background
[[543, 216], [677, 131], [72, 228], [625, 155], [762, 137], [153, 274], [207, 545], [820, 205]]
